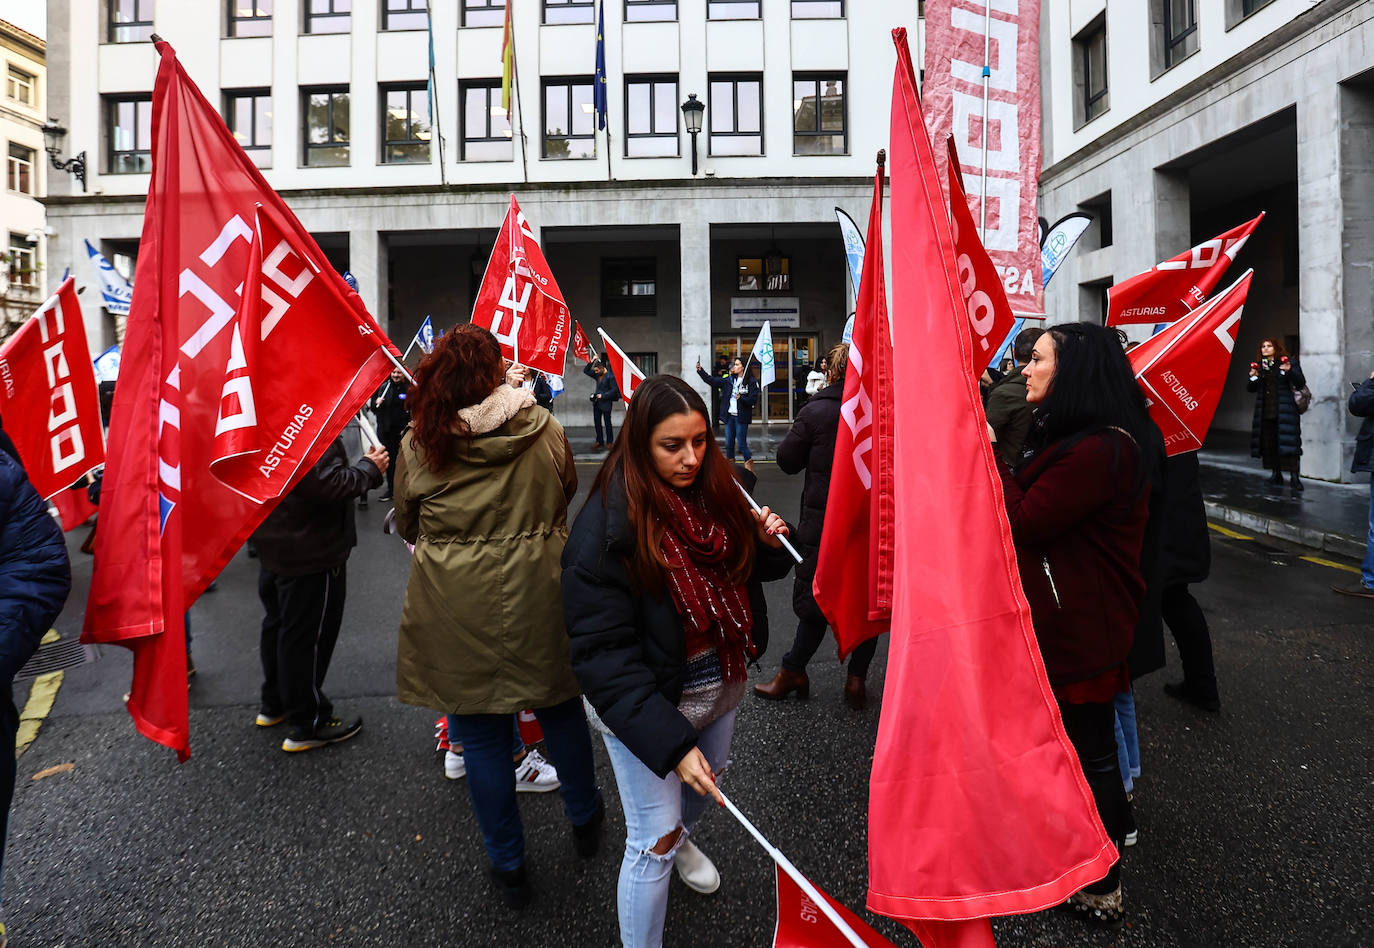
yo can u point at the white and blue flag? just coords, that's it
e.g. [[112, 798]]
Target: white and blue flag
[[116, 292], [1059, 240], [424, 336], [853, 248], [107, 365], [763, 354]]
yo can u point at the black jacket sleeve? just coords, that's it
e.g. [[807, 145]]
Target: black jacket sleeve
[[35, 575], [333, 478], [1361, 402], [795, 450], [1296, 379], [713, 381]]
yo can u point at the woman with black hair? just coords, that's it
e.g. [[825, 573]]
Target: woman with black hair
[[1077, 503], [1276, 431], [663, 599]]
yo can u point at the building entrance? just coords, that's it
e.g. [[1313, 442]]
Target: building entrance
[[793, 355]]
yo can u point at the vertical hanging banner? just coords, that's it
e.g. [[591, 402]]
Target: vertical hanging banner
[[520, 301], [953, 101], [48, 397]]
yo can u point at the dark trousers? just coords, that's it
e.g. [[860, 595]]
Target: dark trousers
[[9, 727], [298, 636], [392, 442], [810, 634], [601, 416], [1092, 731], [1189, 627]]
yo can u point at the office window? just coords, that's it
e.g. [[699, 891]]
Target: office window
[[569, 11], [733, 10], [646, 11], [250, 18], [328, 16], [20, 176], [326, 127], [249, 117], [1091, 49], [629, 286], [404, 15], [569, 119], [772, 272], [131, 21], [129, 134], [735, 115], [817, 9], [1179, 31], [647, 361], [19, 86], [484, 12], [1248, 7], [818, 115], [23, 262], [651, 112], [405, 125], [486, 129]]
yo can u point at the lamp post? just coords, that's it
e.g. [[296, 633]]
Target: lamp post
[[691, 111], [53, 133]]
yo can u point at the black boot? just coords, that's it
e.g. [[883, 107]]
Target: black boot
[[1276, 476], [1295, 482]]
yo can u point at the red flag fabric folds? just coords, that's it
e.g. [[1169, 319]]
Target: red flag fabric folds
[[977, 804], [168, 524], [520, 302], [627, 375], [801, 923], [48, 395], [1182, 370], [581, 345], [1167, 291]]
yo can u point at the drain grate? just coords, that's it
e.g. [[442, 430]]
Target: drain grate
[[58, 656]]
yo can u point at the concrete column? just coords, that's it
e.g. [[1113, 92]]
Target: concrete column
[[1173, 210], [367, 260], [694, 237], [1357, 243]]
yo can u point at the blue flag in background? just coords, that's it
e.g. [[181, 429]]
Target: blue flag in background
[[116, 292], [424, 337], [599, 86]]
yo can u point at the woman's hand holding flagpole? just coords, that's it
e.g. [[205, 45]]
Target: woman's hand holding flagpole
[[757, 509]]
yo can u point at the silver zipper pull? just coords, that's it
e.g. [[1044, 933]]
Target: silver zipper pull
[[1054, 590]]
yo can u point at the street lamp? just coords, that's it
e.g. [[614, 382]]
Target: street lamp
[[53, 133], [691, 111]]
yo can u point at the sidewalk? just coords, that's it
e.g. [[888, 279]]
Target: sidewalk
[[763, 440]]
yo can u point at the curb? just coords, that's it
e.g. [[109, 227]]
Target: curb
[[1339, 544]]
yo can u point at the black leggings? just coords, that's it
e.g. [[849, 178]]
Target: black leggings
[[810, 635], [1092, 731], [1185, 620]]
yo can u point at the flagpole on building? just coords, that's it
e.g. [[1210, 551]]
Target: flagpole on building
[[987, 76], [519, 107], [804, 883], [434, 97]]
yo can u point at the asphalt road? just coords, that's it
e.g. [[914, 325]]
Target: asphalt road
[[1254, 823]]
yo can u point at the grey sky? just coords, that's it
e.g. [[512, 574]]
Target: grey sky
[[28, 15]]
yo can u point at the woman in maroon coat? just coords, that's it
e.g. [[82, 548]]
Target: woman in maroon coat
[[1077, 503]]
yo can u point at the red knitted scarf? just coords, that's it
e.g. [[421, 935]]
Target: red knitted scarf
[[715, 611]]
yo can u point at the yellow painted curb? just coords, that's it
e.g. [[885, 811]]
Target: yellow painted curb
[[41, 697], [1331, 563], [1229, 533]]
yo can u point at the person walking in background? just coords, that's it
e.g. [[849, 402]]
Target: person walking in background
[[35, 578], [1077, 506], [739, 394], [1188, 559], [663, 594], [1276, 431], [393, 414], [810, 447], [303, 548], [604, 397], [482, 491], [1361, 405], [1008, 411], [816, 378]]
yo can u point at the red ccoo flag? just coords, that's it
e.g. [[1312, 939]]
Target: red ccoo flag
[[801, 923], [48, 397], [855, 593], [977, 804], [581, 345], [168, 524], [627, 375], [1169, 290], [520, 301], [1182, 370]]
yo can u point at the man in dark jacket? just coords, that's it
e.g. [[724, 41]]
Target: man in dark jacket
[[35, 578], [1187, 558], [1361, 405], [393, 414], [605, 396], [1008, 411], [303, 547]]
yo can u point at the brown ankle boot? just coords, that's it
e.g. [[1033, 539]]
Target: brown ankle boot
[[784, 684], [855, 693]]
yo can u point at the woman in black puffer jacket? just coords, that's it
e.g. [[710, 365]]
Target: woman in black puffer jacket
[[1276, 432]]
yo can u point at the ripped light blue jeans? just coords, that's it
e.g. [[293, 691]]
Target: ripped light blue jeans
[[655, 807]]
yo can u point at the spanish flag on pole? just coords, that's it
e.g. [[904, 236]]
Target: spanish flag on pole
[[507, 59]]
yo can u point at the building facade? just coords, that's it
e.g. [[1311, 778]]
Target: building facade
[[331, 100], [1172, 121], [24, 278]]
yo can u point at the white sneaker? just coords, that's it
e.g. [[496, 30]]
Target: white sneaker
[[534, 774], [696, 871], [454, 767]]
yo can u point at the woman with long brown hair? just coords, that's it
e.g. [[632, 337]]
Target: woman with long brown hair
[[663, 595], [482, 489], [1276, 431]]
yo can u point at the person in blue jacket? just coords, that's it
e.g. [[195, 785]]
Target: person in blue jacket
[[1361, 405], [35, 578], [605, 396]]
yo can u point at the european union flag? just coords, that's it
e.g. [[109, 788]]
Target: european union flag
[[599, 87]]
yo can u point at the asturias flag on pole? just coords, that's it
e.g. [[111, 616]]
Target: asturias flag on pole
[[115, 291], [763, 355], [1169, 290], [222, 308], [622, 367], [977, 803], [581, 345]]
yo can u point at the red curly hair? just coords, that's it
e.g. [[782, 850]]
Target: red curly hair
[[1279, 351], [465, 367]]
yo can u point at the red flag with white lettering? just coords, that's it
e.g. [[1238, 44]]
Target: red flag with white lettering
[[581, 345], [48, 395], [622, 367], [168, 524], [1168, 291], [1182, 370], [520, 302], [850, 589], [990, 318], [801, 923]]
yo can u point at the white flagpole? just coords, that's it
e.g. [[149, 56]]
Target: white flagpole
[[369, 432], [987, 76], [785, 864], [753, 503]]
